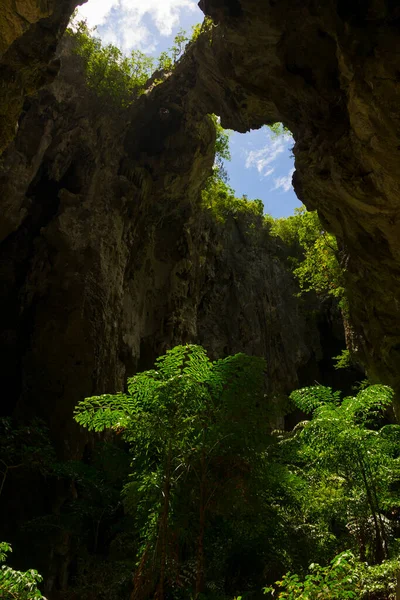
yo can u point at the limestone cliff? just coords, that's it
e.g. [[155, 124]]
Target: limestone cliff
[[107, 257], [29, 32], [329, 71]]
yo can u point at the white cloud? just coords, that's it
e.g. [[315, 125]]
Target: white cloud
[[124, 23], [285, 182], [96, 11], [263, 158]]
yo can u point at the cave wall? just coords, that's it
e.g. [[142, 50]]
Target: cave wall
[[107, 258], [86, 272], [330, 71], [29, 33]]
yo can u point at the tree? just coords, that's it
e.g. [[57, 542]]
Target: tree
[[219, 198], [222, 151], [176, 419], [343, 440], [279, 129], [118, 78], [168, 58], [314, 253]]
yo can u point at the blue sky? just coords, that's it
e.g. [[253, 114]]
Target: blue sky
[[261, 165]]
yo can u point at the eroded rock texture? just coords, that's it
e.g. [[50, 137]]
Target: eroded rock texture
[[330, 71], [107, 257], [29, 32]]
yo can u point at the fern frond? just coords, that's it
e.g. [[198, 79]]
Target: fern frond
[[309, 399], [103, 412]]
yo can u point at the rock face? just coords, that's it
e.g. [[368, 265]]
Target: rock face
[[107, 257], [29, 32], [329, 71]]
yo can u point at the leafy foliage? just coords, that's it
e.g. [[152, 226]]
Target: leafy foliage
[[18, 584], [220, 200], [118, 78], [344, 577], [213, 503], [205, 27], [343, 360], [190, 423], [222, 151], [314, 253], [344, 448], [278, 129]]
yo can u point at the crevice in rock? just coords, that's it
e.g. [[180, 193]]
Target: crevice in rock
[[16, 256]]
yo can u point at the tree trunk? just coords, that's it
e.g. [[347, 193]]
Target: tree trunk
[[164, 527], [202, 526], [379, 535], [138, 577]]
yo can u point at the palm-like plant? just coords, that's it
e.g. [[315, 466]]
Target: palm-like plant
[[176, 418]]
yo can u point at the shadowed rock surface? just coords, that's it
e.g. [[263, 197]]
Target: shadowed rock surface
[[107, 257], [330, 72], [29, 33]]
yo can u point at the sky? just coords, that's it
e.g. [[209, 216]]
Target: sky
[[262, 163]]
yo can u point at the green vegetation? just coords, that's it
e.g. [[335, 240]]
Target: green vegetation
[[315, 260], [326, 493], [121, 79], [188, 493], [25, 449], [343, 360], [193, 496], [17, 584], [349, 460], [314, 253], [193, 427], [344, 577], [222, 151], [358, 459], [117, 78], [278, 129], [218, 501], [220, 200]]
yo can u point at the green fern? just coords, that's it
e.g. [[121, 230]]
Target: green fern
[[175, 417], [343, 440]]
